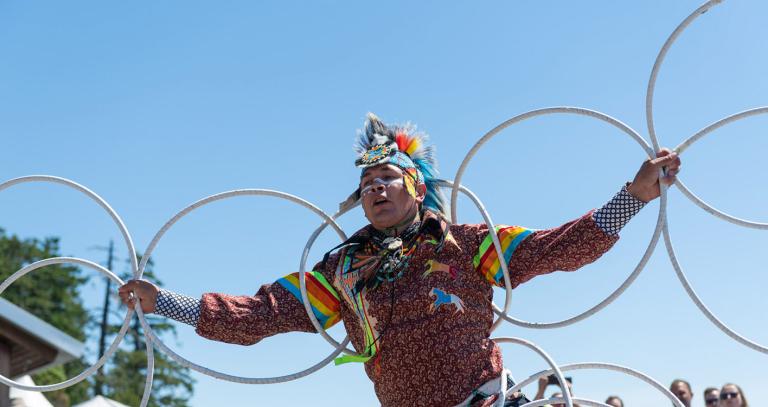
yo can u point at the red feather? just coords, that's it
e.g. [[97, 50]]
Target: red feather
[[402, 141]]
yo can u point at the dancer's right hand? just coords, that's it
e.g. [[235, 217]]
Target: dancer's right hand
[[144, 290]]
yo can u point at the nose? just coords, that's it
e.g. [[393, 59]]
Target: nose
[[378, 187]]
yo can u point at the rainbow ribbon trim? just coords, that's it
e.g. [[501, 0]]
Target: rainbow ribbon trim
[[322, 297], [486, 260]]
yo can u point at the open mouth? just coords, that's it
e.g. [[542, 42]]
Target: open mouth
[[380, 201]]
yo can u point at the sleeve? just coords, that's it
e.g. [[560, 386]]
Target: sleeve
[[617, 212], [529, 253], [178, 307], [276, 308]]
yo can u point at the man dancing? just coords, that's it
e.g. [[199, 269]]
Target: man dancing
[[414, 292]]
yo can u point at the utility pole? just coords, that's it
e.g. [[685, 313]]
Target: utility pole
[[99, 379]]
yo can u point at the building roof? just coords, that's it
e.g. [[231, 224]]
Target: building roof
[[35, 344]]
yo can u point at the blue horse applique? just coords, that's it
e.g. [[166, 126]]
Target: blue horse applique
[[442, 297]]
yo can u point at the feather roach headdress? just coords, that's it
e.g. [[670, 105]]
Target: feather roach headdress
[[404, 147]]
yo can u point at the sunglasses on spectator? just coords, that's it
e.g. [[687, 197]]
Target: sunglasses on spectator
[[711, 401], [726, 396]]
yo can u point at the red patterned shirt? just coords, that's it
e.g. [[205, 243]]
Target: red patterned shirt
[[428, 330]]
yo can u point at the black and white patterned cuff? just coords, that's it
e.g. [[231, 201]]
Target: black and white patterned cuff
[[179, 307], [617, 212]]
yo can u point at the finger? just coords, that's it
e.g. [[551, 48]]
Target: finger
[[127, 287], [678, 163], [129, 300], [675, 164], [665, 160], [663, 152]]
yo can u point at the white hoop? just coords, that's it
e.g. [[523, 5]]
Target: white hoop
[[567, 398], [126, 322], [211, 372], [661, 226], [663, 206], [90, 194], [303, 286], [698, 201], [112, 348], [603, 366], [630, 279]]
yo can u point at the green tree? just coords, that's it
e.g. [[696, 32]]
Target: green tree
[[53, 295], [125, 377]]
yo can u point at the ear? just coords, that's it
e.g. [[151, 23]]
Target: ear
[[421, 192]]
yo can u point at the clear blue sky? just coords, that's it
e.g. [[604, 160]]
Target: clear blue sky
[[154, 105]]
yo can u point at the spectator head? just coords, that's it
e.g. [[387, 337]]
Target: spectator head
[[682, 390], [614, 401], [732, 396], [711, 396]]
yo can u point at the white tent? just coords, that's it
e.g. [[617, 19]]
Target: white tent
[[100, 401], [23, 398]]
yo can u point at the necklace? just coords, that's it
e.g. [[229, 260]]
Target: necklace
[[385, 258]]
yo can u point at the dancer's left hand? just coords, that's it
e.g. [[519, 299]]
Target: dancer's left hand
[[646, 185]]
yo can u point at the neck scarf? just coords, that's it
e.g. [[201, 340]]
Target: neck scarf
[[385, 258]]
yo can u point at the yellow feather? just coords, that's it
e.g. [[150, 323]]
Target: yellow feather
[[413, 146]]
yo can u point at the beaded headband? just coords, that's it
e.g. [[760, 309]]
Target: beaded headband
[[404, 147]]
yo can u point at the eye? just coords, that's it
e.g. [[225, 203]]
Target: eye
[[366, 187]]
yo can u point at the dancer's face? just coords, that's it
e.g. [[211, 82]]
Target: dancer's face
[[385, 198]]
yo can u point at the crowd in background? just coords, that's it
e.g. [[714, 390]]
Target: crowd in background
[[729, 395]]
